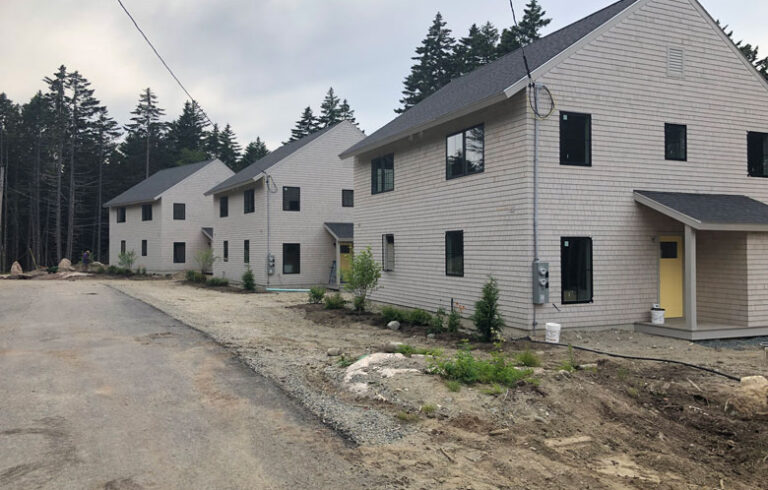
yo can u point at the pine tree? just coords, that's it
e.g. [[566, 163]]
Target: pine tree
[[305, 126], [213, 142], [58, 102], [106, 130], [477, 48], [330, 111], [527, 31], [229, 148], [346, 113], [188, 131], [146, 123], [435, 65], [255, 150], [749, 52]]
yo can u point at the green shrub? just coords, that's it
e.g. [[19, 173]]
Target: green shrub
[[99, 270], [437, 323], [487, 317], [358, 303], [363, 277], [141, 271], [467, 369], [428, 408], [316, 295], [249, 283], [453, 385], [345, 361], [418, 317], [126, 259], [334, 302], [205, 259], [569, 364], [528, 359], [196, 277], [409, 350], [112, 270], [53, 269], [454, 321], [392, 314], [217, 282]]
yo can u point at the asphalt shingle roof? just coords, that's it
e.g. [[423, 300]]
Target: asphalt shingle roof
[[149, 189], [343, 231], [248, 173], [487, 82], [713, 208]]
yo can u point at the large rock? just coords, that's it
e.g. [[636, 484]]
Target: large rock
[[393, 325], [16, 270], [65, 266]]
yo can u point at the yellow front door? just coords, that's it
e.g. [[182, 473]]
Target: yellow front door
[[671, 275], [345, 254]]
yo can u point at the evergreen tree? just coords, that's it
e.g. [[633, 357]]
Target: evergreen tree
[[477, 48], [527, 31], [255, 150], [58, 101], [213, 142], [106, 130], [330, 110], [188, 131], [305, 126], [750, 52], [435, 65], [146, 123], [346, 113], [229, 148]]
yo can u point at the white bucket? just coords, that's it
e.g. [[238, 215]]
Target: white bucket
[[553, 333], [657, 316]]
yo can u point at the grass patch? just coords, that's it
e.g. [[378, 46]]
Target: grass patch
[[409, 350], [334, 301], [467, 369], [404, 416], [217, 282], [493, 390], [527, 358], [453, 385], [632, 391], [345, 362], [428, 408], [569, 364]]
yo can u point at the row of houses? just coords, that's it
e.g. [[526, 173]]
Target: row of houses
[[627, 168]]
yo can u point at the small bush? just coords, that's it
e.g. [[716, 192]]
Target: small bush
[[141, 271], [53, 269], [363, 278], [570, 363], [126, 259], [316, 295], [358, 303], [409, 350], [454, 321], [465, 368], [392, 314], [528, 359], [407, 417], [345, 361], [217, 282], [428, 409], [99, 270], [493, 390], [437, 323], [334, 302], [487, 317], [249, 284], [196, 277], [418, 317], [453, 385], [205, 259], [112, 270]]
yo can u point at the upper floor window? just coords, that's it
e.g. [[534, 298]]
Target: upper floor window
[[676, 142], [146, 212], [223, 206], [121, 215], [291, 198], [576, 270], [464, 152], [347, 198], [757, 154], [454, 253], [249, 204], [388, 253], [179, 211], [575, 139], [383, 174]]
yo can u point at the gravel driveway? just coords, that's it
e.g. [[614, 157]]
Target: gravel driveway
[[98, 390]]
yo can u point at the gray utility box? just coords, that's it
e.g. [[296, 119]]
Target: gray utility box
[[540, 282]]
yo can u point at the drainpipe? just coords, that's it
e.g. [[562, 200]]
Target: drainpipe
[[267, 178], [535, 87]]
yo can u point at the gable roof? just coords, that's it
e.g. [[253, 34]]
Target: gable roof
[[151, 188], [341, 231], [251, 172], [486, 85], [708, 211]]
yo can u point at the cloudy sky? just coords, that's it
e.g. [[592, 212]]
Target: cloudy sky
[[257, 63]]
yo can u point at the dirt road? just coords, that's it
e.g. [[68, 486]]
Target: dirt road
[[98, 390]]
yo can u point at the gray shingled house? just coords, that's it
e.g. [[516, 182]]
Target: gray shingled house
[[641, 181]]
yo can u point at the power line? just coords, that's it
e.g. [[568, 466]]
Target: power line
[[194, 102]]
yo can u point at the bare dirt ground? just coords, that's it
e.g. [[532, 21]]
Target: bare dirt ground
[[617, 424]]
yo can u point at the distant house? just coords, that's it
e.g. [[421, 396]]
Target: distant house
[[650, 184], [166, 219], [288, 216]]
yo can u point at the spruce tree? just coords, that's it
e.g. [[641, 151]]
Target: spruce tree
[[346, 113], [146, 124], [749, 52], [305, 126], [256, 150], [330, 111], [477, 48], [435, 65], [213, 142], [188, 131], [527, 31], [58, 103], [229, 148]]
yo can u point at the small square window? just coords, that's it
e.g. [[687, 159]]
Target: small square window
[[249, 203], [291, 199], [757, 154], [675, 142], [179, 211], [143, 248], [223, 206], [347, 198], [575, 139], [576, 270], [121, 215], [146, 212], [668, 250], [383, 174], [179, 252], [225, 258], [291, 258], [454, 253], [246, 251], [388, 252]]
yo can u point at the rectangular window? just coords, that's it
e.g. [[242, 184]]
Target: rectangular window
[[464, 152], [179, 252], [226, 251], [675, 142], [454, 253], [223, 206], [383, 174], [247, 251], [291, 198], [249, 205], [291, 258], [121, 215], [576, 269], [143, 248], [179, 211], [122, 246], [575, 139], [388, 252], [757, 154], [347, 198], [146, 212]]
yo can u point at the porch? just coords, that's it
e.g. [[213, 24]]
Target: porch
[[343, 240]]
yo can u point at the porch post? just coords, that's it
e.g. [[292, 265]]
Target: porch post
[[338, 264], [689, 301]]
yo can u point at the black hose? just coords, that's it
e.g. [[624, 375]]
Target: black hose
[[635, 358]]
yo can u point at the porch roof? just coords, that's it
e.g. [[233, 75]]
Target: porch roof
[[724, 212], [341, 231], [208, 232]]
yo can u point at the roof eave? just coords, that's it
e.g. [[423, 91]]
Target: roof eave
[[254, 179], [695, 223], [110, 204]]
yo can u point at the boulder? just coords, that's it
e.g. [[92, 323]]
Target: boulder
[[334, 351], [390, 348], [16, 270], [393, 325], [65, 265]]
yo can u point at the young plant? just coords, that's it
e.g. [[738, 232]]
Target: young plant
[[345, 362], [453, 385], [217, 282], [437, 324], [392, 314], [454, 321], [418, 317], [570, 363], [428, 409], [205, 259], [196, 277], [316, 295], [334, 302], [528, 359], [249, 283], [363, 278], [487, 317], [126, 259]]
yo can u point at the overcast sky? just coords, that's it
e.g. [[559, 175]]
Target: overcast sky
[[257, 63]]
